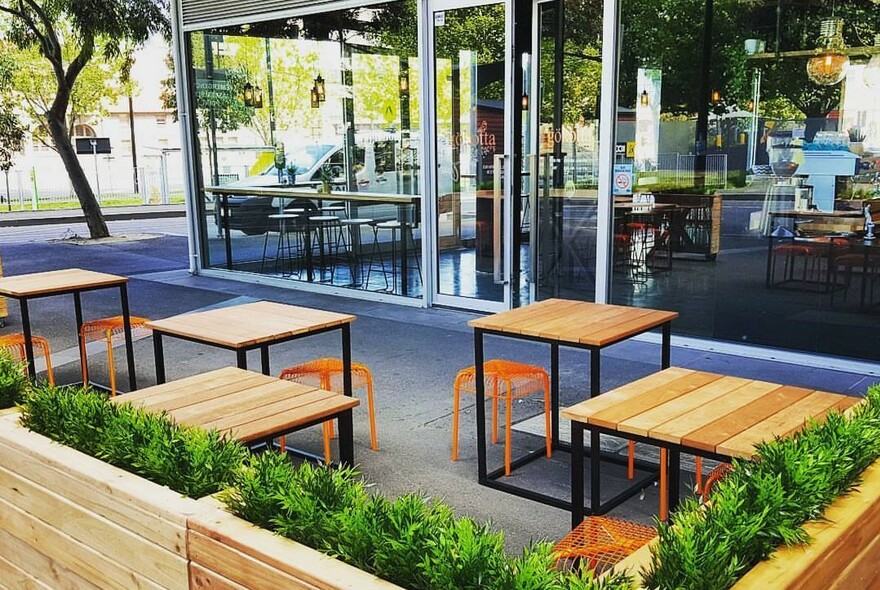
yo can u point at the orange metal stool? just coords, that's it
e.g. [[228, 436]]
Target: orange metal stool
[[14, 345], [507, 380], [111, 330], [327, 374], [603, 541], [714, 477]]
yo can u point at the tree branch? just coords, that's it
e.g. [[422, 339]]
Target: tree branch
[[81, 60], [49, 43]]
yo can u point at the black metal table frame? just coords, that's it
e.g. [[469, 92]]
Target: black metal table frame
[[493, 479], [241, 352], [577, 469], [346, 439], [77, 304]]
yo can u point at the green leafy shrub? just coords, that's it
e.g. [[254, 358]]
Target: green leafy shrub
[[764, 503], [191, 461], [14, 382], [412, 541]]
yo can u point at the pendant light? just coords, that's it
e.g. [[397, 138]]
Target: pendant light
[[829, 67], [872, 69]]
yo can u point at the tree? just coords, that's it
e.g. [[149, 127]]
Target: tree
[[91, 29], [12, 131]]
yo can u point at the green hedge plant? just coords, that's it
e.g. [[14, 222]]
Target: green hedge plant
[[191, 461], [412, 541], [763, 504], [14, 381]]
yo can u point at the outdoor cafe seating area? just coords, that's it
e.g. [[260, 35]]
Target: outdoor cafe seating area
[[711, 416]]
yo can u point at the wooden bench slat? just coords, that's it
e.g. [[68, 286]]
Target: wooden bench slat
[[298, 403], [238, 401], [269, 425]]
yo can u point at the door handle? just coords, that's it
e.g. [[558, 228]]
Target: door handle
[[498, 219]]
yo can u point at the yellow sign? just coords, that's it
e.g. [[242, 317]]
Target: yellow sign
[[630, 149]]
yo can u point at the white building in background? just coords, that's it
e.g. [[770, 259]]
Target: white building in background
[[39, 172]]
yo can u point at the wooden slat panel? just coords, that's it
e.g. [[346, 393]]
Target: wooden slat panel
[[626, 329], [269, 425], [202, 395], [572, 326], [201, 578], [109, 480], [42, 572], [863, 571], [226, 374], [656, 396], [710, 436], [781, 424], [674, 430], [235, 401], [643, 423], [582, 411], [73, 555], [290, 406], [500, 321], [218, 533], [131, 551], [99, 500]]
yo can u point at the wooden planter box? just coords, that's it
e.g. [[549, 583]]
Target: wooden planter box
[[844, 553], [71, 521]]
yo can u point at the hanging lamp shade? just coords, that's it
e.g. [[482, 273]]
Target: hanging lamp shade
[[830, 65], [872, 69]]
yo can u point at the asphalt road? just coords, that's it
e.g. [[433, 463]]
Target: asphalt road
[[44, 233]]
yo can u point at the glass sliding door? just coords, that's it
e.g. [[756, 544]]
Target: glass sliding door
[[471, 149]]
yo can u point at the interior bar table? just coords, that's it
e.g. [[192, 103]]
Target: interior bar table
[[560, 322], [69, 281], [253, 326], [249, 407], [680, 410]]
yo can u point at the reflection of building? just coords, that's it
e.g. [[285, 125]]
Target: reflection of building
[[504, 193]]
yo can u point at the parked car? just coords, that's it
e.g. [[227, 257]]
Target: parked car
[[312, 163]]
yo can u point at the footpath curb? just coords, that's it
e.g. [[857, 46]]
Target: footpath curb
[[61, 216]]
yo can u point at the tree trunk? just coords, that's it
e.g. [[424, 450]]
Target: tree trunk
[[87, 200]]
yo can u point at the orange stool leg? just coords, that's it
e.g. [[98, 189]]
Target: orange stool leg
[[83, 358], [325, 385], [456, 393], [548, 428], [631, 460], [494, 410], [664, 485], [328, 434], [374, 437], [49, 373], [111, 364], [698, 461]]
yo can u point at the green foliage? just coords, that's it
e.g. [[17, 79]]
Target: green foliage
[[411, 541], [14, 382], [763, 504], [191, 461]]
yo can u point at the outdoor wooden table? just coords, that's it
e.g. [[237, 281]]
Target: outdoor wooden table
[[703, 414], [253, 326], [64, 282], [559, 322], [249, 407]]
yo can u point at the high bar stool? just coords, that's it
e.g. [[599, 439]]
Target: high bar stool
[[283, 250], [112, 330], [15, 346], [327, 374], [355, 247], [507, 380], [326, 229], [406, 238]]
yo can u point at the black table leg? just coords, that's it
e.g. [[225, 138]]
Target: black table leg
[[666, 354], [159, 357], [264, 359], [28, 342], [346, 438], [481, 406], [129, 343], [228, 239], [674, 478], [346, 360], [80, 342], [595, 466], [595, 353], [577, 473], [404, 270], [241, 358], [554, 393]]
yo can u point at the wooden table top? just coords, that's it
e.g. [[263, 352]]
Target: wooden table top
[[577, 322], [56, 281], [240, 326], [245, 405], [707, 411]]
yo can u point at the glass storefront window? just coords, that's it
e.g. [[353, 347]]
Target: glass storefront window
[[742, 171], [308, 132]]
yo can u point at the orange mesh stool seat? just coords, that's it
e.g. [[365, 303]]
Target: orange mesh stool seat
[[505, 380], [714, 477], [326, 374], [14, 345], [602, 542], [112, 331]]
